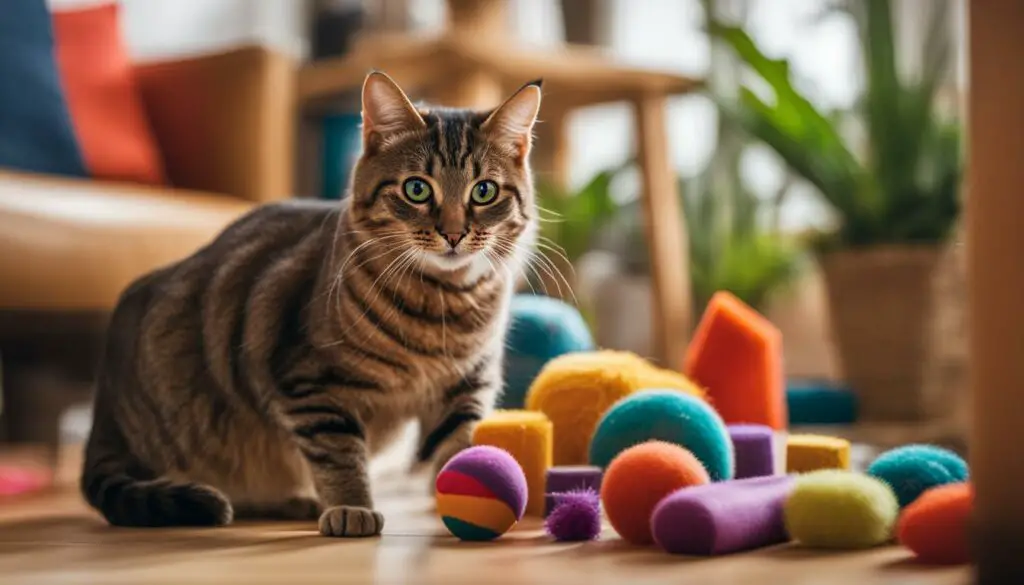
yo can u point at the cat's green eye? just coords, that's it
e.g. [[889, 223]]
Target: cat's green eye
[[417, 190], [484, 192]]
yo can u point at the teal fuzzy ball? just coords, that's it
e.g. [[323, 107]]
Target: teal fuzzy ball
[[912, 469], [670, 416], [541, 328]]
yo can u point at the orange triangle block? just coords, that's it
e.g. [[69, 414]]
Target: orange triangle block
[[736, 354]]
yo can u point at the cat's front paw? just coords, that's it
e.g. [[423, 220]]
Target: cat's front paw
[[351, 522]]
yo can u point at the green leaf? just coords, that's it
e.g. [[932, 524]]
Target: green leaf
[[729, 248], [906, 187], [804, 137]]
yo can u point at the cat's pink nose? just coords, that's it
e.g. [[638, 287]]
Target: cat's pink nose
[[453, 239]]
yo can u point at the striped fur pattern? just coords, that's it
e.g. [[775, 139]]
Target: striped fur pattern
[[258, 376]]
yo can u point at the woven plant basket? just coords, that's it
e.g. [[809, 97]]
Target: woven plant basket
[[896, 314]]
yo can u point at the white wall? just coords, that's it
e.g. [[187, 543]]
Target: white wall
[[156, 29], [667, 34], [651, 33]]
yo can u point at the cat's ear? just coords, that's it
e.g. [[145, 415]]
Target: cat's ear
[[386, 109], [512, 122]]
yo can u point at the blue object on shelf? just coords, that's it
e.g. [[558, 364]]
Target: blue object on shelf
[[541, 328], [342, 144], [37, 132], [820, 403]]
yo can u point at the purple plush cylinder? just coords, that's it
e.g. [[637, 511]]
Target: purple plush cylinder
[[724, 517], [570, 478], [567, 478], [755, 450]]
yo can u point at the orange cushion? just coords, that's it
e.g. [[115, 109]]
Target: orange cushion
[[106, 107]]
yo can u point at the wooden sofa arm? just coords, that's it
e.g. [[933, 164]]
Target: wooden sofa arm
[[225, 122]]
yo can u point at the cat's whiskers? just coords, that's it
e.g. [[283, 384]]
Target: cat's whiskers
[[329, 259], [509, 274], [405, 268], [397, 276], [377, 239], [510, 249], [373, 288], [542, 261], [388, 273], [558, 217], [336, 281], [513, 275], [547, 243], [555, 273], [554, 267], [486, 255]]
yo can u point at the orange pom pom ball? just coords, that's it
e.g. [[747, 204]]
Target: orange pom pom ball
[[638, 478], [934, 526]]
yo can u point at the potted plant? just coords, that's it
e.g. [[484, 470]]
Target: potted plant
[[735, 244], [731, 250], [895, 199], [734, 239]]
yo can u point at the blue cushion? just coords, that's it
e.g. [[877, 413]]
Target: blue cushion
[[36, 133]]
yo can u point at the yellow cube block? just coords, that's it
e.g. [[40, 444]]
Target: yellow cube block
[[529, 437], [805, 453]]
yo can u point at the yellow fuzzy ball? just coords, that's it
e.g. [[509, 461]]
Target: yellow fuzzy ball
[[839, 509], [574, 390]]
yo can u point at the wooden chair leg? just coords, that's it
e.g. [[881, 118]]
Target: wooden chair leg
[[666, 238], [995, 208], [550, 157], [470, 88]]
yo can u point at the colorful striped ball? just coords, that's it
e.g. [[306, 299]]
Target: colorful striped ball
[[481, 493]]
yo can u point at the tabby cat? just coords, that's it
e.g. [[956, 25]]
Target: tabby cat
[[257, 377]]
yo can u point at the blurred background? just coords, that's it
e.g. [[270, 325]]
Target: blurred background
[[803, 155]]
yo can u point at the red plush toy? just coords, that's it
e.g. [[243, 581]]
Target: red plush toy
[[16, 481], [934, 526]]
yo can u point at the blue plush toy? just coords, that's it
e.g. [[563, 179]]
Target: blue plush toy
[[912, 469], [541, 328], [665, 415], [820, 403]]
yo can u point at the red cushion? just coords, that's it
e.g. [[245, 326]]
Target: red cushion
[[106, 107]]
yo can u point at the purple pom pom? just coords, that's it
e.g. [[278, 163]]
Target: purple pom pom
[[577, 516]]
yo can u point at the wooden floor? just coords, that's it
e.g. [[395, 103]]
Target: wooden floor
[[54, 538]]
